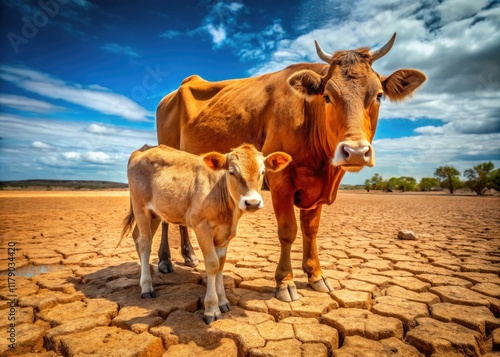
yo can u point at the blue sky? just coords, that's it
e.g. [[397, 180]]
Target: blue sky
[[80, 79]]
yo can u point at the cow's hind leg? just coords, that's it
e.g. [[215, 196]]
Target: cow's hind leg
[[143, 246], [309, 223], [165, 262], [187, 250], [224, 304]]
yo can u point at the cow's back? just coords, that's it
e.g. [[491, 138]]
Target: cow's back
[[201, 116], [182, 106]]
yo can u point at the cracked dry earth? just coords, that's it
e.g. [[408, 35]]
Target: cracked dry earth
[[435, 296]]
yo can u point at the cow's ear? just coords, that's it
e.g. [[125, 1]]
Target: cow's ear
[[214, 160], [306, 83], [277, 161], [402, 83]]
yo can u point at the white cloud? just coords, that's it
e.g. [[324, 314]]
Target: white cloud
[[101, 129], [459, 9], [120, 49], [97, 157], [170, 34], [225, 28], [41, 146], [429, 130], [218, 33], [27, 104], [102, 101], [73, 153]]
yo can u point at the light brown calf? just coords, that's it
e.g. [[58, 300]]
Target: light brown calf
[[208, 193]]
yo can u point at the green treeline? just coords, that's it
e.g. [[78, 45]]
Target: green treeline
[[479, 179]]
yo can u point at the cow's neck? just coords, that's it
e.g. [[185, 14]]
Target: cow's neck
[[318, 180], [318, 134]]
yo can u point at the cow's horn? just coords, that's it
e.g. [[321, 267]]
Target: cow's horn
[[382, 51], [322, 54]]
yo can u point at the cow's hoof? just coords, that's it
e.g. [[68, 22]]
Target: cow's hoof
[[321, 285], [165, 267], [225, 307], [148, 295], [191, 261], [211, 318], [287, 293]]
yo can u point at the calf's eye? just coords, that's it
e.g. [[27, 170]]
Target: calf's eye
[[327, 98]]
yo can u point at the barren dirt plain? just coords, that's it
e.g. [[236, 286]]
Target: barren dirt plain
[[70, 294]]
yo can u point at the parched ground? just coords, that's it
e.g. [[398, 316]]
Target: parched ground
[[438, 295]]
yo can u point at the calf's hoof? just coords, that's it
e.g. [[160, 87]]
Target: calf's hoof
[[191, 261], [165, 267], [225, 307], [321, 285], [211, 318], [148, 295], [287, 292]]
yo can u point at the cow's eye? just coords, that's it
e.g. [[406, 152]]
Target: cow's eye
[[380, 96], [327, 98], [231, 171]]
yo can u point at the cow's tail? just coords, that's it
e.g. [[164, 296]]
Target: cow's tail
[[127, 225]]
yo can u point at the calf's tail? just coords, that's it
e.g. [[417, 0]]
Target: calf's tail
[[127, 225]]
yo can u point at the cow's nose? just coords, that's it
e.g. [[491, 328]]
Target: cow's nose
[[357, 155], [354, 154], [253, 203]]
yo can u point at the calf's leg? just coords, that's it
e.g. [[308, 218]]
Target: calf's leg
[[224, 304], [165, 262], [143, 246], [211, 301], [309, 223]]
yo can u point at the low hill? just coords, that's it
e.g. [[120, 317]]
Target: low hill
[[63, 184]]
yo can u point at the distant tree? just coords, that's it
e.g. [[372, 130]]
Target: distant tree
[[368, 185], [403, 183], [428, 183], [392, 184], [407, 183], [479, 177], [377, 182], [495, 179], [448, 177]]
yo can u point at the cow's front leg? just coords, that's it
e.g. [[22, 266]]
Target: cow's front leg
[[187, 250], [211, 301], [224, 304], [309, 223], [165, 262], [287, 231]]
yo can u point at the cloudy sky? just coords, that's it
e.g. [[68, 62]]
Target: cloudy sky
[[81, 79]]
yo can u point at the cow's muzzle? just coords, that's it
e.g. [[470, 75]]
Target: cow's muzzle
[[352, 156], [251, 202]]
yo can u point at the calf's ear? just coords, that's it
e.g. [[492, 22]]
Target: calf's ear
[[306, 83], [214, 160], [402, 83], [277, 161]]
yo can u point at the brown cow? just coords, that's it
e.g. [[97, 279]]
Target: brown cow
[[208, 193], [324, 115]]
